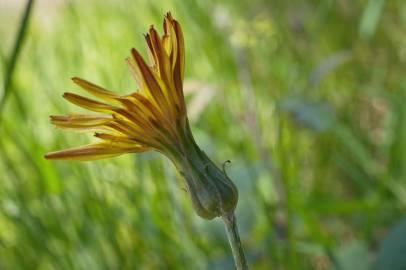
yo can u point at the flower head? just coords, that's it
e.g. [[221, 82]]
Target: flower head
[[153, 118]]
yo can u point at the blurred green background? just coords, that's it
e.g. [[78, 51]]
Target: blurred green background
[[306, 98]]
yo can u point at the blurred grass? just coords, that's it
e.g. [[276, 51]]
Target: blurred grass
[[305, 97]]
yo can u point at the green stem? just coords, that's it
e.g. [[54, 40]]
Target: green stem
[[235, 242], [16, 50]]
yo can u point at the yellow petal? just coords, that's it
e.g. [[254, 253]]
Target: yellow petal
[[145, 137], [162, 58], [100, 107], [79, 120], [88, 103], [81, 123], [180, 59], [164, 72], [151, 55], [95, 90], [170, 31], [94, 152], [134, 72], [167, 44], [116, 138], [150, 82], [157, 116]]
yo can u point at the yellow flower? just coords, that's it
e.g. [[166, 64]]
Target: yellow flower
[[154, 118]]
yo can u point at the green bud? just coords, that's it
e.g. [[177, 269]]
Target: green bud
[[212, 192]]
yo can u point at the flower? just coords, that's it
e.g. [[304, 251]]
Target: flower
[[153, 118]]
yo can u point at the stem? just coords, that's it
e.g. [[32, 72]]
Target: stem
[[230, 223], [16, 50]]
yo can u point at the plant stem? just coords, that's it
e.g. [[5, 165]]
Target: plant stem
[[16, 50], [230, 223]]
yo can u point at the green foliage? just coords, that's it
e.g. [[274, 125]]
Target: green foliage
[[306, 98]]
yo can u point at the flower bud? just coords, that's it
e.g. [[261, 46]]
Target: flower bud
[[212, 192]]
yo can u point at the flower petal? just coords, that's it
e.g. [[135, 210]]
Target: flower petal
[[167, 44], [95, 90], [177, 57], [161, 57], [150, 82], [88, 103], [134, 72], [151, 55], [142, 136], [80, 120], [154, 115], [101, 107], [115, 138], [180, 58], [94, 151], [81, 123]]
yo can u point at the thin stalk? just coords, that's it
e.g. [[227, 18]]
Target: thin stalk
[[234, 240], [16, 51]]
